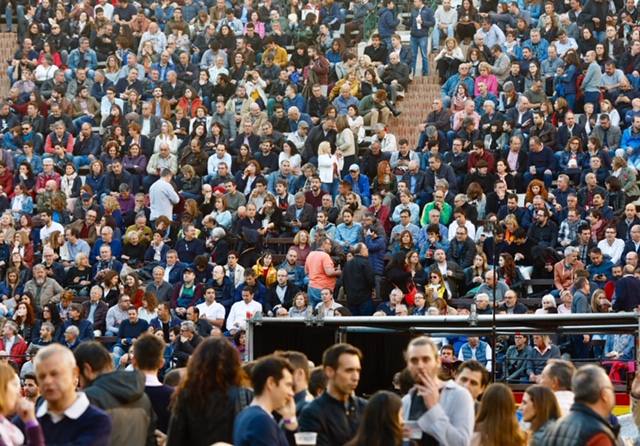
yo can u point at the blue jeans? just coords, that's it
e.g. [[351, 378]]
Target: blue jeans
[[594, 98], [81, 160], [364, 309], [419, 44], [540, 176], [331, 188], [8, 12], [435, 35], [314, 296]]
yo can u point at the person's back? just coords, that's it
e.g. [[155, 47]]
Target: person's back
[[588, 421], [122, 395], [254, 425], [192, 425], [119, 393], [314, 264]]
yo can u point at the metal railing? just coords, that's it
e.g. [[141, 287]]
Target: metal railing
[[383, 339]]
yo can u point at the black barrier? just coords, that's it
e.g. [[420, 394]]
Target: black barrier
[[384, 339]]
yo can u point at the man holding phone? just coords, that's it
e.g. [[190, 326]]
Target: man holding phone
[[435, 411]]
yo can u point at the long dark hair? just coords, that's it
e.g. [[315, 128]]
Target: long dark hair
[[546, 406], [380, 424], [214, 366]]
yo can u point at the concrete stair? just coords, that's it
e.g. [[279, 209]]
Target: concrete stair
[[415, 106], [8, 46]]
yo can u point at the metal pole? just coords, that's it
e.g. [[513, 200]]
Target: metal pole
[[493, 322]]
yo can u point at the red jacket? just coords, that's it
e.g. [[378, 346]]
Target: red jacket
[[6, 181], [18, 350]]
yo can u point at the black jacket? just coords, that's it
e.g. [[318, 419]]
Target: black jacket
[[329, 418], [358, 280], [121, 394], [192, 425], [289, 294], [578, 427]]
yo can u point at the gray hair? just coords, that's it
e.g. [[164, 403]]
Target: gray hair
[[55, 349], [570, 250], [80, 256], [73, 330], [481, 296], [158, 268], [588, 382], [188, 325]]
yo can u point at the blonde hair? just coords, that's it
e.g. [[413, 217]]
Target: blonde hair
[[110, 203], [7, 374], [324, 148]]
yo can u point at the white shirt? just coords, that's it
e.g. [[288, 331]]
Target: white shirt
[[614, 250], [471, 230], [75, 411], [238, 314], [162, 198], [45, 231], [328, 312], [565, 400], [212, 312]]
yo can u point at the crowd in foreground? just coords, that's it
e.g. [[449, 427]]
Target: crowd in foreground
[[76, 397]]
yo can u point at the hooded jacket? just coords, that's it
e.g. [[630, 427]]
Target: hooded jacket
[[121, 394]]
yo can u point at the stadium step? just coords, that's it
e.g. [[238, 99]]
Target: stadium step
[[8, 46], [415, 105]]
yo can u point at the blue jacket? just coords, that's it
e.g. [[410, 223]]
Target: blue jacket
[[297, 101], [387, 23], [293, 125], [116, 249], [331, 17], [449, 88], [377, 248], [96, 183], [347, 236], [163, 70], [175, 275], [481, 352], [539, 50], [76, 59], [85, 327], [563, 159], [260, 295], [362, 188], [428, 21], [630, 139]]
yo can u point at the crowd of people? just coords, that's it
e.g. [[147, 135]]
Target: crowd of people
[[174, 169], [281, 400]]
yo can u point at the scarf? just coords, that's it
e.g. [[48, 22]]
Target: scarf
[[10, 434]]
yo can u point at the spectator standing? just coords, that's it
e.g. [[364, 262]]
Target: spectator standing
[[443, 410], [358, 281], [496, 422], [422, 21], [588, 421], [148, 358], [336, 414], [272, 379], [119, 393], [557, 376], [204, 395], [321, 270], [57, 376]]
